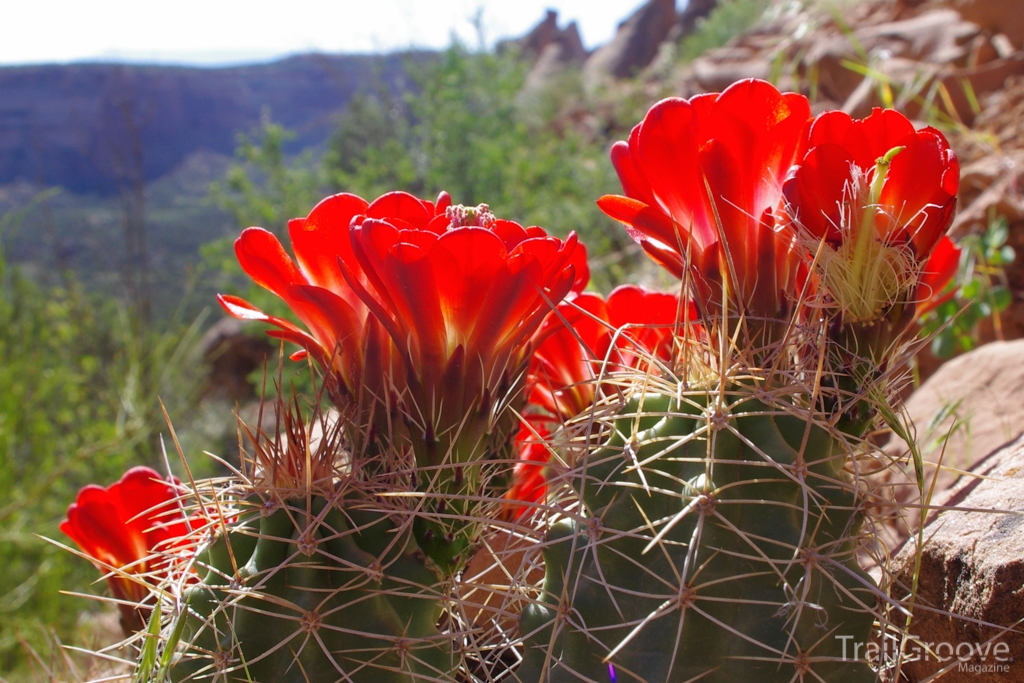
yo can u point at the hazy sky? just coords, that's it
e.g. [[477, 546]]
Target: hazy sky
[[212, 31]]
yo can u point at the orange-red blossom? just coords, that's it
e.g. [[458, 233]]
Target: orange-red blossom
[[423, 308], [873, 198], [741, 193], [703, 182], [125, 528]]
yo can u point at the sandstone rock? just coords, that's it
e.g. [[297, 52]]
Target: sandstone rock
[[971, 582], [687, 21], [720, 68], [867, 95], [979, 396], [991, 186], [968, 409], [998, 16], [502, 560], [563, 51], [923, 89], [938, 37], [827, 56], [635, 43], [965, 84], [539, 37], [545, 35]]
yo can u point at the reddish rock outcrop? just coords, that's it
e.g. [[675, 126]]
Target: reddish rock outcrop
[[635, 43], [967, 410], [969, 605], [546, 38]]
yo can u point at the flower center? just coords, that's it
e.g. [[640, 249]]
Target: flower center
[[866, 271], [469, 216]]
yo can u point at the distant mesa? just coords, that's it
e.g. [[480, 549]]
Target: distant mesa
[[76, 125]]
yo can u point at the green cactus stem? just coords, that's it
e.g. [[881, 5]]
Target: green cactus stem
[[716, 542], [318, 590]]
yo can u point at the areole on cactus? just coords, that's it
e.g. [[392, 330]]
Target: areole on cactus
[[687, 466]]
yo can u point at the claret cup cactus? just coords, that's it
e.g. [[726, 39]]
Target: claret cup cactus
[[720, 508], [686, 470]]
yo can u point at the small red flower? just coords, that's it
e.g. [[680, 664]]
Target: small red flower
[[877, 197], [703, 178], [916, 200], [125, 528], [632, 328]]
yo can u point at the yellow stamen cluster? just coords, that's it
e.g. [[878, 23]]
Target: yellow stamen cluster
[[868, 271], [864, 280]]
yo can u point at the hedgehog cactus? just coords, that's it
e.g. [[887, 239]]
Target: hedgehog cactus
[[704, 447], [324, 588], [335, 558]]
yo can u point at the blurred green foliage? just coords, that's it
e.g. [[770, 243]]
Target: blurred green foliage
[[982, 292], [74, 410], [262, 187]]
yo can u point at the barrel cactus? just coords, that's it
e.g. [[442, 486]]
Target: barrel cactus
[[717, 542]]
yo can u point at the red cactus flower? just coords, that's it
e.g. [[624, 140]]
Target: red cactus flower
[[124, 528], [529, 481], [632, 328], [339, 332], [461, 297], [877, 197], [428, 306], [703, 178]]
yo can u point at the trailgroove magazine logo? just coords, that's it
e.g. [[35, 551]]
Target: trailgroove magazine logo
[[969, 657]]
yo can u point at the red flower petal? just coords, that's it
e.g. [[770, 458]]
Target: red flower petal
[[700, 175], [938, 272], [320, 239], [816, 191], [265, 260], [915, 194], [404, 207], [123, 525]]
